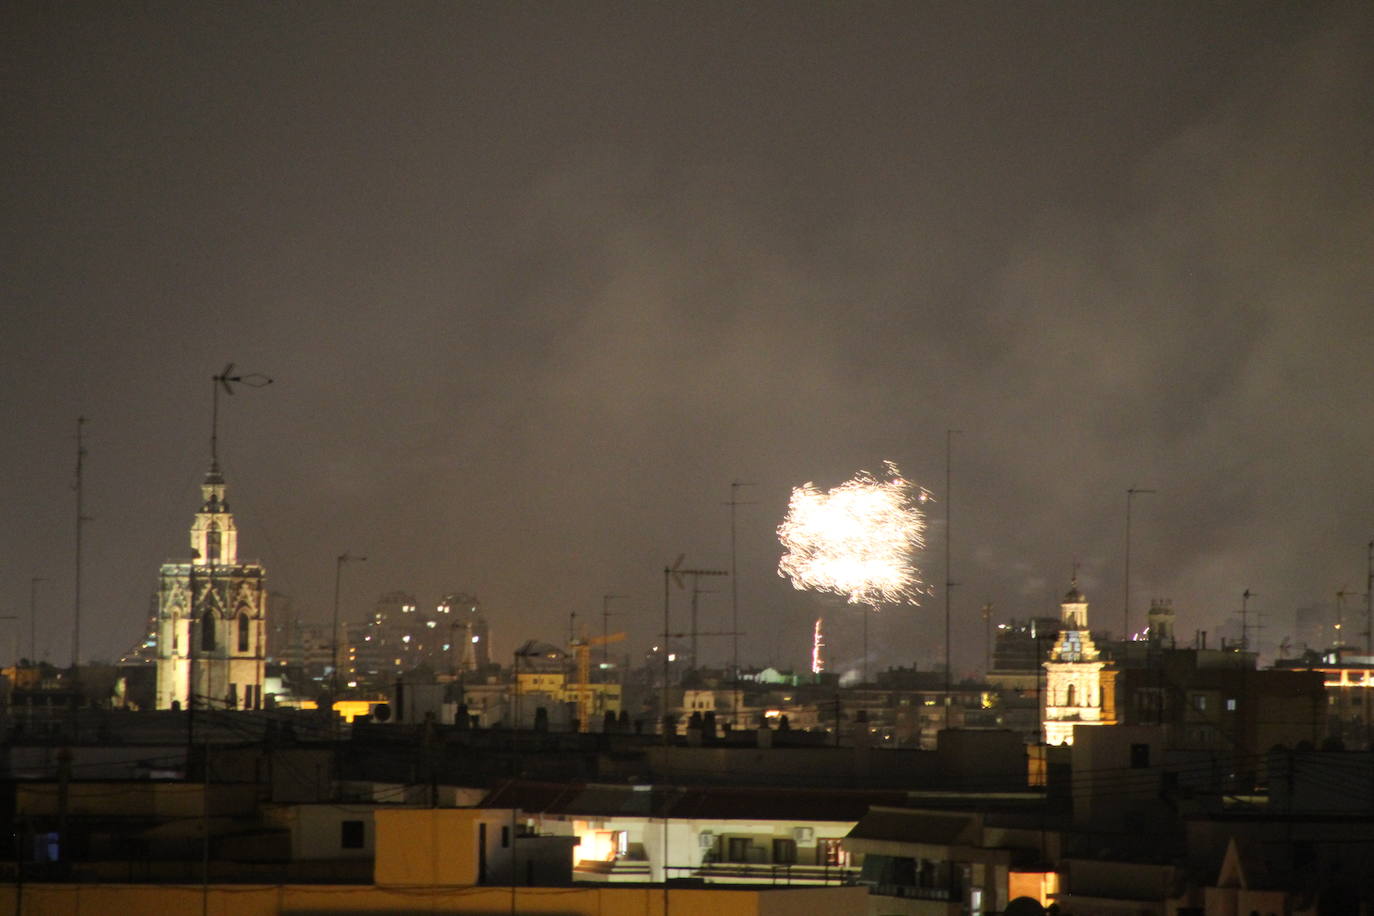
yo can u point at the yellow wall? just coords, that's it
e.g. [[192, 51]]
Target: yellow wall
[[427, 846], [270, 900]]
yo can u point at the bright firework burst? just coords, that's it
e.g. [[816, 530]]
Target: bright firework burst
[[857, 540]]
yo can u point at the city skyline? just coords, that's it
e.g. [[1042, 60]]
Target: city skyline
[[536, 285]]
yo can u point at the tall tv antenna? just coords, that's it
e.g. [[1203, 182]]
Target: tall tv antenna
[[81, 519], [734, 575], [1131, 493]]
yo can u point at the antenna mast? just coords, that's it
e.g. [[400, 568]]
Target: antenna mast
[[1245, 597], [606, 631], [949, 581], [81, 520], [1126, 588], [734, 572]]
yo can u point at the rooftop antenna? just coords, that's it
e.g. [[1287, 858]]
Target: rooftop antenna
[[81, 519], [697, 591], [1368, 634], [949, 581], [987, 636], [33, 619], [606, 629], [1369, 607], [1340, 617], [339, 562], [672, 575], [1131, 493], [734, 591], [1245, 597]]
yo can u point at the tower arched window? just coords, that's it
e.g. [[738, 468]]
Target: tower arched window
[[1070, 699], [212, 540], [245, 631], [207, 632]]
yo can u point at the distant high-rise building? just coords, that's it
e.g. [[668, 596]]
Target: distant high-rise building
[[472, 645], [1079, 685], [399, 637], [212, 613]]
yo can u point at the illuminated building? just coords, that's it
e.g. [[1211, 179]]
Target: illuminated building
[[398, 637], [1079, 685], [1348, 681], [211, 618], [472, 644]]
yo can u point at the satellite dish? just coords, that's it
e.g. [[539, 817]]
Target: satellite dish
[[382, 712], [1024, 906]]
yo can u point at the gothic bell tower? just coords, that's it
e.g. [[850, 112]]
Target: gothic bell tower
[[212, 615]]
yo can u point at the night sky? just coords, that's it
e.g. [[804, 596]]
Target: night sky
[[537, 281]]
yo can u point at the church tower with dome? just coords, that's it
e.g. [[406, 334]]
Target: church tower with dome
[[1080, 687], [212, 615]]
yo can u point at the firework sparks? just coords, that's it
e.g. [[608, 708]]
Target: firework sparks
[[817, 644], [857, 540]]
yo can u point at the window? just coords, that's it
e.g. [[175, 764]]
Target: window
[[1199, 701], [505, 837], [737, 849], [212, 543], [351, 834], [1140, 756], [829, 852], [207, 632], [784, 852], [1230, 704], [245, 630]]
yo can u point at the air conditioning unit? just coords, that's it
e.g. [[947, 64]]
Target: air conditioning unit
[[804, 834], [706, 839]]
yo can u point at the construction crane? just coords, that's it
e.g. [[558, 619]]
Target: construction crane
[[582, 646]]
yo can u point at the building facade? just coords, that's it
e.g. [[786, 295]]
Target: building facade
[[212, 613]]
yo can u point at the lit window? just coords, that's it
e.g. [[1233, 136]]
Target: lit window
[[431, 624]]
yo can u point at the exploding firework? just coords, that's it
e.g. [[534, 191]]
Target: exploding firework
[[857, 540]]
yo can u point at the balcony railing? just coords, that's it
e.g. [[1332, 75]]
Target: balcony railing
[[916, 893], [764, 873]]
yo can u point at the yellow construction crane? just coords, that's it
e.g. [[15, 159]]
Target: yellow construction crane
[[583, 647]]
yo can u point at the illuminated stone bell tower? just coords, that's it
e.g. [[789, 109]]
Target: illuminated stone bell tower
[[212, 615], [1080, 688]]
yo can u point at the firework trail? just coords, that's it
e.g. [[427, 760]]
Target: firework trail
[[857, 540], [817, 644]]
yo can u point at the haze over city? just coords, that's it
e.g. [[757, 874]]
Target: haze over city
[[536, 283]]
